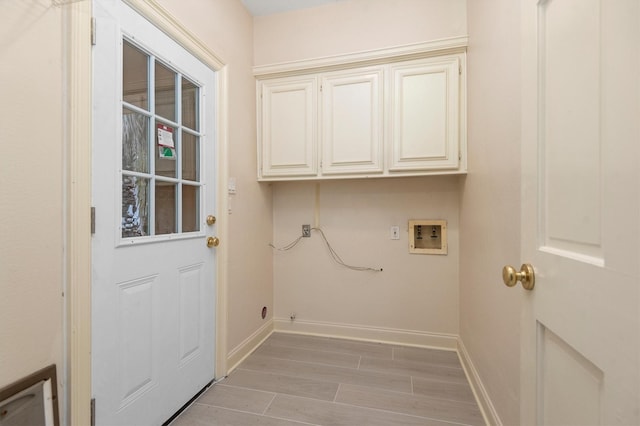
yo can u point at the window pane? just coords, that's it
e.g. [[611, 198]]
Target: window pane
[[165, 208], [190, 157], [135, 210], [189, 104], [135, 142], [190, 208], [165, 85], [135, 76], [166, 152]]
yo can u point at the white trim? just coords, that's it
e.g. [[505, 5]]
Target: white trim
[[222, 223], [584, 258], [386, 175], [77, 204], [163, 20], [489, 412], [367, 333], [367, 57], [248, 345]]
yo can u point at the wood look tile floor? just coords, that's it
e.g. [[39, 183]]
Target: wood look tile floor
[[306, 380]]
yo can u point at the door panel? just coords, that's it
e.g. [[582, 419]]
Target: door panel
[[570, 117], [563, 370], [580, 349], [153, 281]]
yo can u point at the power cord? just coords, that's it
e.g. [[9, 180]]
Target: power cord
[[288, 246], [334, 255]]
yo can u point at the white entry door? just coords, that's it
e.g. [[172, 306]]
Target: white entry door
[[580, 202], [153, 289]]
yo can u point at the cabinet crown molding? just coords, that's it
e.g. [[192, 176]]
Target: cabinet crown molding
[[368, 57]]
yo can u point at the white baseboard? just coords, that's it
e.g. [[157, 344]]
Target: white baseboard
[[366, 333], [248, 345], [482, 396]]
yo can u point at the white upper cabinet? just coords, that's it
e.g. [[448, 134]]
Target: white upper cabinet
[[392, 112], [352, 121], [287, 127], [425, 119]]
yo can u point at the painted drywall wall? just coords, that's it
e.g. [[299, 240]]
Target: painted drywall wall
[[31, 190], [353, 26], [225, 27], [490, 203], [415, 298]]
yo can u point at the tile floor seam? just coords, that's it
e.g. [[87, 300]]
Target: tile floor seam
[[362, 407], [395, 376], [417, 363], [248, 388], [269, 404], [290, 375], [310, 362]]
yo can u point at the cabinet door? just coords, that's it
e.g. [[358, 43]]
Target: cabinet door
[[425, 109], [287, 135], [352, 123]]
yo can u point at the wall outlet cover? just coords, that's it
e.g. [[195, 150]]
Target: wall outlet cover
[[395, 232]]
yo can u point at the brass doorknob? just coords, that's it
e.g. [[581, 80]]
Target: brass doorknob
[[211, 219], [526, 276], [213, 242]]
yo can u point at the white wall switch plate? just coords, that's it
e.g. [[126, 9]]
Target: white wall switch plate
[[231, 185], [395, 232]]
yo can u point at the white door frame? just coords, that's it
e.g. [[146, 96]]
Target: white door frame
[[78, 195]]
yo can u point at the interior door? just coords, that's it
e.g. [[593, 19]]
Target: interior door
[[580, 212], [153, 289]]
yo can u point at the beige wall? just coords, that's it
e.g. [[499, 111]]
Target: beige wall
[[355, 25], [226, 27], [417, 293], [414, 295], [490, 203], [31, 189]]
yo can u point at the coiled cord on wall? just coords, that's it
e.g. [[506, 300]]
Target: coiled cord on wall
[[334, 255]]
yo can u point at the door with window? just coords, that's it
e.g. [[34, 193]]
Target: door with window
[[153, 273], [580, 349]]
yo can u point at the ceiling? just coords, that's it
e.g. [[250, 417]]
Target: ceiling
[[269, 7]]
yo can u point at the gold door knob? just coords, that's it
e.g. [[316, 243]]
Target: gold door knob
[[213, 242], [211, 219], [526, 276]]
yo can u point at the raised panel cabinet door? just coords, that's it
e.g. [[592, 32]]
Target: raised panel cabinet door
[[352, 121], [425, 114], [287, 137]]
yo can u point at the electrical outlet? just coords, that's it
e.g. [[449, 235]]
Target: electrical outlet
[[395, 232], [306, 230]]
